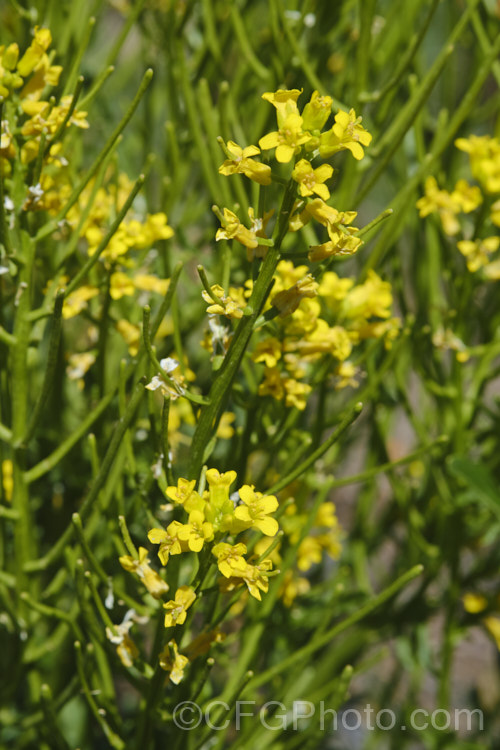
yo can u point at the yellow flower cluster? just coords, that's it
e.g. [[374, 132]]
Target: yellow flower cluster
[[23, 81], [464, 198], [484, 155], [315, 315], [298, 132], [329, 317], [303, 129], [213, 521], [211, 517], [135, 233]]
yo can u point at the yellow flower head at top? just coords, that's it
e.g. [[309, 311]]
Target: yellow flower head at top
[[285, 102], [316, 112], [287, 140]]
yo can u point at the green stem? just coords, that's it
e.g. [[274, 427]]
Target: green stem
[[123, 425], [62, 127], [333, 632], [113, 739], [50, 369], [219, 391], [310, 460], [48, 463], [82, 273], [24, 542], [4, 230]]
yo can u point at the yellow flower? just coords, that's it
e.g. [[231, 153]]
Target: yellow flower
[[219, 484], [230, 560], [9, 78], [232, 228], [346, 374], [126, 649], [468, 197], [183, 492], [255, 577], [284, 100], [443, 202], [255, 510], [317, 209], [131, 335], [317, 111], [372, 298], [177, 608], [347, 133], [241, 163], [168, 541], [268, 351], [495, 213], [296, 393], [152, 581], [477, 252], [288, 300], [8, 479], [35, 52], [225, 430], [474, 603], [333, 289], [226, 306], [287, 140], [309, 553], [312, 180], [149, 283], [120, 285], [324, 339], [484, 155], [196, 532], [272, 384], [173, 662], [220, 507], [341, 242], [201, 644], [77, 301], [155, 228]]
